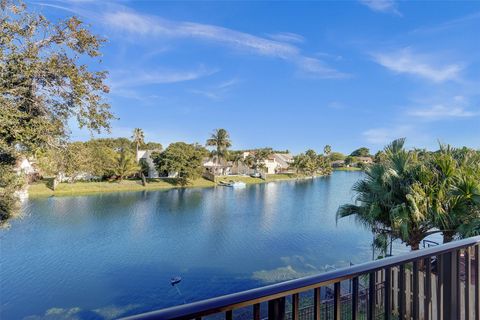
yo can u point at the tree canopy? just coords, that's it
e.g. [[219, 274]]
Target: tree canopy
[[361, 152], [44, 84], [182, 159], [410, 194], [220, 139]]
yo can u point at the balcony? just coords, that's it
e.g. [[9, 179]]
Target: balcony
[[440, 282]]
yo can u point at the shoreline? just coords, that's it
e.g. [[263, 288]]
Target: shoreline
[[40, 189]]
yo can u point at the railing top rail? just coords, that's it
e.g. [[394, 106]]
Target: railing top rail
[[261, 294]]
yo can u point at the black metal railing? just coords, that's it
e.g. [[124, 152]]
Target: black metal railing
[[440, 282]]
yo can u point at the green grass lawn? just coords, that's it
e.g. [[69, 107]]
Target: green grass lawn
[[347, 169], [246, 179], [40, 188]]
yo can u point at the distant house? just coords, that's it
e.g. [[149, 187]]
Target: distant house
[[217, 167], [146, 155], [275, 163], [25, 166], [338, 163], [365, 160]]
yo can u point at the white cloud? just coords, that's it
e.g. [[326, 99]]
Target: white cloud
[[405, 61], [287, 37], [441, 111], [388, 6], [146, 25], [128, 78]]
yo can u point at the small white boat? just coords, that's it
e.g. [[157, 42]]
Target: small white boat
[[233, 184], [239, 184]]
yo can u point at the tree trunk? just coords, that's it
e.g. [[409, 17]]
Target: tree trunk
[[448, 236], [415, 245], [144, 180]]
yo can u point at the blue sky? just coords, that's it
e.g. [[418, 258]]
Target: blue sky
[[290, 75]]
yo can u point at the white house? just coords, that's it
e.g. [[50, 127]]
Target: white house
[[275, 163], [218, 167], [146, 155]]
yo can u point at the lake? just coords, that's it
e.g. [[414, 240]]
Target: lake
[[109, 255]]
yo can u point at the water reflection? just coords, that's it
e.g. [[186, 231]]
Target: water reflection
[[118, 251]]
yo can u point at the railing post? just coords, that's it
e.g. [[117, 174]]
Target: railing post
[[276, 309], [449, 285], [317, 304], [355, 298], [337, 303], [295, 306], [477, 282], [416, 290], [428, 288], [371, 296], [467, 283], [401, 292], [387, 288]]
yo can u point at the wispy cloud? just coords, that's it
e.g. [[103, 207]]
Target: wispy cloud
[[461, 21], [441, 112], [387, 6], [406, 61], [128, 78], [147, 25], [287, 37], [218, 91]]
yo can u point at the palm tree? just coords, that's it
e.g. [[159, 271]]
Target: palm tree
[[221, 140], [327, 149], [392, 198], [138, 138], [125, 165], [455, 190]]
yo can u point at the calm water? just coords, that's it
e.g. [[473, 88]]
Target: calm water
[[102, 256]]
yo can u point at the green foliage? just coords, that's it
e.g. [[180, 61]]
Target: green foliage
[[256, 160], [335, 156], [361, 152], [138, 138], [409, 193], [327, 149], [181, 158], [151, 146], [220, 139], [310, 163], [350, 160], [43, 85], [71, 160], [125, 164], [144, 167]]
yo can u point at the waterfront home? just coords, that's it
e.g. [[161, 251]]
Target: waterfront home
[[146, 155], [217, 167], [338, 163], [364, 160], [275, 163]]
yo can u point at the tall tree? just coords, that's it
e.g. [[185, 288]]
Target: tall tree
[[392, 197], [361, 152], [327, 149], [138, 138], [220, 139], [124, 165], [185, 160], [43, 84]]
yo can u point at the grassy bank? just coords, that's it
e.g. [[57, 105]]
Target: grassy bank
[[40, 188], [347, 169]]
